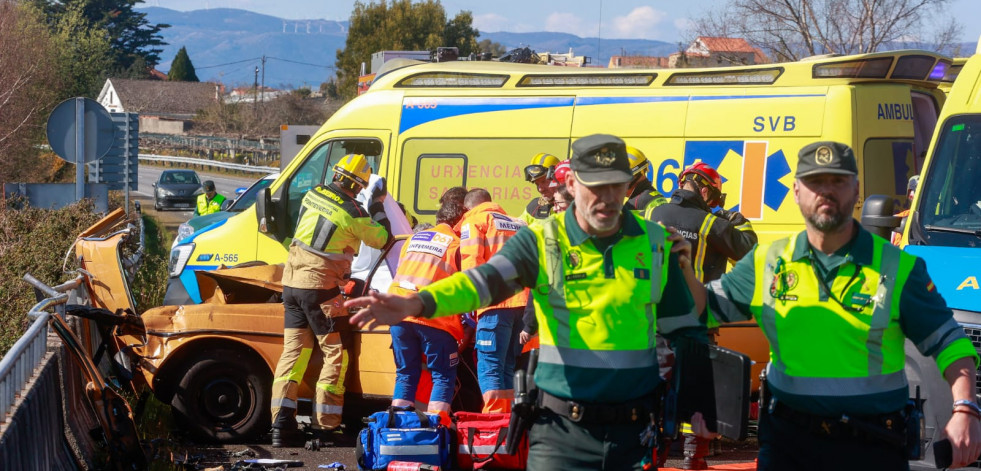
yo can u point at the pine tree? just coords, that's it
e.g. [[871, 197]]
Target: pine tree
[[182, 70]]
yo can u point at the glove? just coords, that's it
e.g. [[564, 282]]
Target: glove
[[380, 189], [735, 217]]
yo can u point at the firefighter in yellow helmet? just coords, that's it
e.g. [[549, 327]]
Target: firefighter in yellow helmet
[[641, 193], [329, 231], [537, 172]]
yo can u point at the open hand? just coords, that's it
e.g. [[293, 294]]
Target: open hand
[[383, 308]]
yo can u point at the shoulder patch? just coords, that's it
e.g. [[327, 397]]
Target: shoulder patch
[[465, 231]]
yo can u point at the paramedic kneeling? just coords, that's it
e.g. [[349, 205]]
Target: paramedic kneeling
[[836, 304], [604, 281]]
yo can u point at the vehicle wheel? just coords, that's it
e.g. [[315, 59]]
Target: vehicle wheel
[[156, 204], [224, 398]]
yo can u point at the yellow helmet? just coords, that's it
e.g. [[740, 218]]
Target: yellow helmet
[[539, 166], [354, 167], [638, 161]]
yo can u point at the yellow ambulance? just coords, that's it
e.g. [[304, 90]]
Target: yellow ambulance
[[426, 127], [943, 227]]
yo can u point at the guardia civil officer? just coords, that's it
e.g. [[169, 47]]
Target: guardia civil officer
[[329, 231], [836, 304], [600, 276], [210, 201]]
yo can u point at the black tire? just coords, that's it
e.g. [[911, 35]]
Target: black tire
[[224, 398], [156, 203]]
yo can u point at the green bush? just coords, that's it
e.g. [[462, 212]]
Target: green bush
[[33, 241], [36, 241]]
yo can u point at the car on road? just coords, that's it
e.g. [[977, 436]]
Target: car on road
[[176, 189], [243, 200]]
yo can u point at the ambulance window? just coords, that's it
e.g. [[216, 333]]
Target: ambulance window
[[950, 204], [924, 121], [887, 165], [308, 175], [319, 169]]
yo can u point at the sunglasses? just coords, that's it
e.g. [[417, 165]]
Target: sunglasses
[[534, 172]]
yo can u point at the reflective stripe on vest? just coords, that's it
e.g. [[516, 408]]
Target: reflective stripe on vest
[[860, 350], [702, 247], [315, 226]]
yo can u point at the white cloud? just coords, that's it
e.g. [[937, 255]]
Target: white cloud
[[640, 23], [490, 22], [566, 23], [684, 25]]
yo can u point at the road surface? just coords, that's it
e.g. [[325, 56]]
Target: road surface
[[170, 219]]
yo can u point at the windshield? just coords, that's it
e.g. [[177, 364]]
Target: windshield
[[951, 199], [180, 178], [248, 198]]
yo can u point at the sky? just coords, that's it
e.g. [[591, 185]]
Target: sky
[[664, 20]]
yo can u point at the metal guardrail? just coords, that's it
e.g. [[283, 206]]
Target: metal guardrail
[[208, 163]]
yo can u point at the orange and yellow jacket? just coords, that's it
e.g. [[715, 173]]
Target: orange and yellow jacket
[[483, 231], [429, 256]]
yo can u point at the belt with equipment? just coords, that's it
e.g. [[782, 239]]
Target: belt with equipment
[[888, 428], [632, 411]]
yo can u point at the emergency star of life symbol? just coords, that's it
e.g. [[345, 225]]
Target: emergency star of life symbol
[[822, 156]]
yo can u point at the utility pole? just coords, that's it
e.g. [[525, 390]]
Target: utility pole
[[263, 100], [255, 94]]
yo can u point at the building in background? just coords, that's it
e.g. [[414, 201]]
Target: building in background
[[165, 107]]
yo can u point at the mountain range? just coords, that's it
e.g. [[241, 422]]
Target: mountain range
[[227, 45]]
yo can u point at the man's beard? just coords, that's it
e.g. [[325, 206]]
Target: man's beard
[[828, 222]]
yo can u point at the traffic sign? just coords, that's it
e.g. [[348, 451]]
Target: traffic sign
[[98, 130], [122, 159]]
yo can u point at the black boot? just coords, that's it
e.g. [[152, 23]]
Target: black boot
[[282, 437]]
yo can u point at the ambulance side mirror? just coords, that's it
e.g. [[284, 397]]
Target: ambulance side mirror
[[265, 213], [878, 216]]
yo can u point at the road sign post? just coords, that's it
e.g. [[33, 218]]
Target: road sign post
[[79, 131]]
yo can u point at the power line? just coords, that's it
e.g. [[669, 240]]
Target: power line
[[227, 63], [301, 63]]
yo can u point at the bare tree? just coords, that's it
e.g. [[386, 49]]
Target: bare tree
[[28, 88], [789, 30]]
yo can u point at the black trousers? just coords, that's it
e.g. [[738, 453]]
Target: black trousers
[[786, 446], [557, 443]]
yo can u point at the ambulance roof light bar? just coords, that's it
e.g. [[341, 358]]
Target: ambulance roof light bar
[[587, 80], [453, 80], [861, 68], [735, 77]]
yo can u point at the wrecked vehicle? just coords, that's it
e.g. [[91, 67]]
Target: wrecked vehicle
[[213, 362]]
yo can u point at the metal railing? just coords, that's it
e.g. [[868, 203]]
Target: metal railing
[[20, 363], [208, 163]]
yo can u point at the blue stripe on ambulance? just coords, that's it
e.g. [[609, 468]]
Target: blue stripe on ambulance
[[458, 106], [449, 107]]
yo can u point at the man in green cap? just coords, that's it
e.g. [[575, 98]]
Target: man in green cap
[[601, 277], [837, 304]]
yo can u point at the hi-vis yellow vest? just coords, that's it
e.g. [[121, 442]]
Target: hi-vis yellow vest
[[598, 333], [849, 344], [209, 207]]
